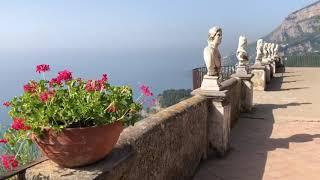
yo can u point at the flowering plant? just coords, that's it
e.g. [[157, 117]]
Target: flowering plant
[[66, 102]]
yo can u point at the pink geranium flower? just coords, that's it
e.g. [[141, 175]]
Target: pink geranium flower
[[89, 86], [18, 124], [104, 78], [4, 141], [96, 85], [44, 96], [30, 87], [54, 81], [42, 68], [145, 90], [9, 162], [7, 103], [64, 75]]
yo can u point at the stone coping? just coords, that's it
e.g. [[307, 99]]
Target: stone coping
[[48, 169], [258, 66], [221, 95], [242, 76], [228, 84], [215, 95]]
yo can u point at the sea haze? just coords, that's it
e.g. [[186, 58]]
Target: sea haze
[[158, 68]]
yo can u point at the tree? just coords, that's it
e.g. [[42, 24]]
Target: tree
[[173, 96]]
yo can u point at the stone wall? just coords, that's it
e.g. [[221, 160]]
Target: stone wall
[[167, 145], [233, 85]]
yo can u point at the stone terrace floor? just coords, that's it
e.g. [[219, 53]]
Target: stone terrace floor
[[280, 139]]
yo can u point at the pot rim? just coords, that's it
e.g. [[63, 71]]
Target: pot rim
[[87, 127], [32, 135]]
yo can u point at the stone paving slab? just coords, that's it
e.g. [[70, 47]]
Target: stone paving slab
[[280, 139]]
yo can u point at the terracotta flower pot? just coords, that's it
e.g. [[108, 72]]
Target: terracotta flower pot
[[75, 147]]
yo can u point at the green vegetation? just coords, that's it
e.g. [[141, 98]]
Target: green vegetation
[[63, 102], [308, 60], [172, 96], [27, 152]]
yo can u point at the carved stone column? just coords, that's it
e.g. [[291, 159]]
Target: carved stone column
[[246, 92], [259, 79], [268, 71], [219, 113], [273, 65]]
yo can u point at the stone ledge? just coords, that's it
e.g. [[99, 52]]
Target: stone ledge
[[228, 84], [242, 76], [258, 66], [50, 170], [218, 96]]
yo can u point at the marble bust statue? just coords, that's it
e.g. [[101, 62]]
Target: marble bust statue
[[272, 50], [212, 58], [265, 52], [259, 50], [211, 53], [269, 51], [242, 54], [276, 50], [276, 53]]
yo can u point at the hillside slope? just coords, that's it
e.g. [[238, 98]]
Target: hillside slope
[[300, 31]]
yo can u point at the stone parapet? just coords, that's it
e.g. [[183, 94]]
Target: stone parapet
[[233, 85], [170, 144], [219, 113], [259, 79], [246, 96], [273, 68], [167, 145], [268, 72]]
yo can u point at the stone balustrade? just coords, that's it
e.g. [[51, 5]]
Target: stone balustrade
[[171, 143]]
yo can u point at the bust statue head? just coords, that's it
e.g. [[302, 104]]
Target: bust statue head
[[265, 48], [276, 48], [211, 53], [215, 37], [259, 44], [265, 51], [272, 49], [241, 51], [269, 50], [259, 49], [242, 42]]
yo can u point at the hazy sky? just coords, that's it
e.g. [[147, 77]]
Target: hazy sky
[[36, 25]]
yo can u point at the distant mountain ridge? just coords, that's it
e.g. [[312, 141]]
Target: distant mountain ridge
[[299, 33]]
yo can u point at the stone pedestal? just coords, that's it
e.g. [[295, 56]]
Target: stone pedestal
[[219, 113], [271, 70], [242, 70], [264, 61], [210, 83], [259, 77], [246, 102], [273, 65], [268, 72], [279, 66]]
